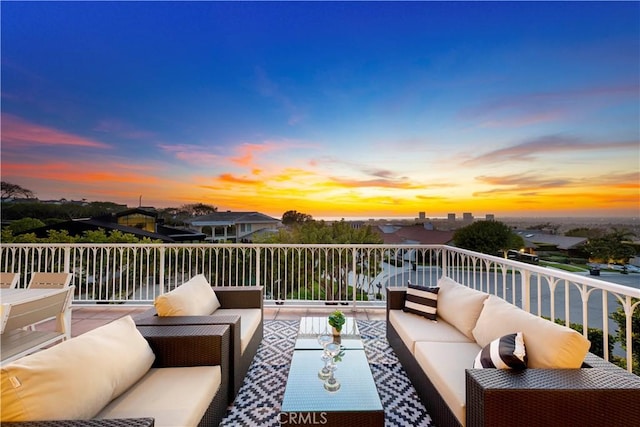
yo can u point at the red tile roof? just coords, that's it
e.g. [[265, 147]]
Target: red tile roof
[[416, 234]]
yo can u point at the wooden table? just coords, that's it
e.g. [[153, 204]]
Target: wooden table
[[21, 308]]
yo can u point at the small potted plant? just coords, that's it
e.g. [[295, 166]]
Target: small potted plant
[[336, 320]]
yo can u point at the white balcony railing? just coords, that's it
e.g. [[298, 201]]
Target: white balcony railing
[[355, 275]]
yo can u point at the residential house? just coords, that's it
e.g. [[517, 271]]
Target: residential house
[[536, 241], [233, 226], [142, 223]]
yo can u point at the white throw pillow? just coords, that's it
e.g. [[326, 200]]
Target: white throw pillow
[[193, 298], [459, 305], [549, 345], [76, 378]]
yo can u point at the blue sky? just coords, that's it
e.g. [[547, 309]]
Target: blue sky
[[335, 109]]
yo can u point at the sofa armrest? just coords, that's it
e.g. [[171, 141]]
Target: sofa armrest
[[189, 345], [240, 296], [543, 397], [105, 422], [395, 298]]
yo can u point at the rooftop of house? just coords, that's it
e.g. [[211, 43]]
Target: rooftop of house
[[413, 234], [231, 218], [533, 238]]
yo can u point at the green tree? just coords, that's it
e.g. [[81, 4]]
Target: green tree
[[619, 317], [589, 233], [613, 247], [295, 217], [328, 270], [488, 237], [10, 191], [49, 213], [198, 209], [25, 224], [62, 236]]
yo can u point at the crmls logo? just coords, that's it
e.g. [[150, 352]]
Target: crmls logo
[[306, 418]]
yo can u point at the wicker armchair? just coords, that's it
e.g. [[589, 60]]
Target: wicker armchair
[[598, 394], [174, 346], [229, 297]]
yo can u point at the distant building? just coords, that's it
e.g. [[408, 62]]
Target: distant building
[[233, 226], [467, 217], [142, 223], [451, 217], [490, 217]]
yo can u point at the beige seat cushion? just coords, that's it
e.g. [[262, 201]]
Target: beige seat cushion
[[548, 344], [460, 305], [76, 378], [173, 396], [250, 319], [412, 328], [445, 364], [195, 297]]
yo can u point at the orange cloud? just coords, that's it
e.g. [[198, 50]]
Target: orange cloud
[[229, 178], [20, 132], [246, 152], [377, 183], [75, 173]]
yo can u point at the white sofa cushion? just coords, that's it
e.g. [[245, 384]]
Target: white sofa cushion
[[445, 363], [549, 345], [173, 396], [460, 305], [412, 328], [195, 297], [250, 319], [76, 378]]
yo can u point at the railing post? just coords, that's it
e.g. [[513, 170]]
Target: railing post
[[526, 289], [67, 259], [161, 273], [355, 276], [445, 255], [258, 266], [605, 324], [628, 312]]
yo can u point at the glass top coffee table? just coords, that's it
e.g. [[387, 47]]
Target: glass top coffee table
[[306, 400]]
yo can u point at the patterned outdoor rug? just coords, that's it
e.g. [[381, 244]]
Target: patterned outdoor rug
[[258, 401]]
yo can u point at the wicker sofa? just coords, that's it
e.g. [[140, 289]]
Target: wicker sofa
[[239, 307], [120, 375], [439, 356]]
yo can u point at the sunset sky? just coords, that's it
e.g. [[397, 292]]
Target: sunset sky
[[333, 109]]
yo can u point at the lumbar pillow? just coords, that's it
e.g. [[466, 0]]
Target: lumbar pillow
[[506, 352], [459, 305], [421, 300], [76, 378], [549, 345], [193, 298]]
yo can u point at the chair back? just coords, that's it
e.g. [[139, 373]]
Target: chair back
[[9, 280], [40, 309], [49, 280]]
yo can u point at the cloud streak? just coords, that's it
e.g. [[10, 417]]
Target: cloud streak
[[531, 185], [19, 132], [540, 107], [545, 145], [269, 89]]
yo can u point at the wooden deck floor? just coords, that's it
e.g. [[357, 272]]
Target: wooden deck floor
[[84, 319]]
